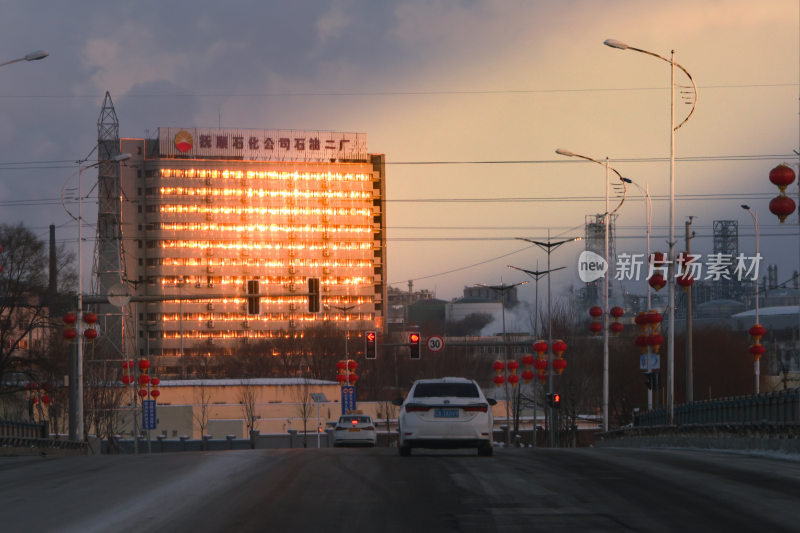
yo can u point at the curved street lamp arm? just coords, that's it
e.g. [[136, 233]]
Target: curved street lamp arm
[[567, 153], [672, 62]]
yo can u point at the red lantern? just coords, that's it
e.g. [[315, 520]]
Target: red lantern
[[641, 342], [144, 379], [144, 364], [69, 318], [559, 365], [127, 379], [154, 381], [70, 334], [540, 347], [655, 341], [559, 347], [351, 365], [657, 281], [353, 378], [757, 350], [595, 327], [527, 360], [781, 176], [512, 366], [781, 206], [142, 393], [90, 318], [513, 379], [155, 393], [340, 366], [654, 318], [499, 380], [90, 333], [658, 258], [684, 280], [757, 332], [596, 311], [45, 399], [527, 375], [498, 366], [616, 312], [540, 365], [641, 320], [616, 328], [341, 378], [542, 377], [35, 400]]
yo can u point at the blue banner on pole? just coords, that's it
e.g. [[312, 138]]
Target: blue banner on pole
[[149, 414], [348, 399]]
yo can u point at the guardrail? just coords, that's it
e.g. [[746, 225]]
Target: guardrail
[[16, 437], [782, 407]]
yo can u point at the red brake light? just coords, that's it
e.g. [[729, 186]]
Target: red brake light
[[476, 408], [369, 428], [416, 407], [354, 422]]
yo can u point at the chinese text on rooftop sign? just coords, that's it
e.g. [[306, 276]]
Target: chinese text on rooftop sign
[[262, 145]]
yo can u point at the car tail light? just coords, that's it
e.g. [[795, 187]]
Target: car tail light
[[340, 428], [354, 422], [369, 428], [416, 407], [476, 408]]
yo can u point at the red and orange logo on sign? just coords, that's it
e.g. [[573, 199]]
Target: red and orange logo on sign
[[184, 141]]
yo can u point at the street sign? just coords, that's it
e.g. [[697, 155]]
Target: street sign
[[435, 343], [149, 414], [655, 362], [348, 398]]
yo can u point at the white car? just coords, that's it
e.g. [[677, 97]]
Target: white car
[[445, 413], [354, 430]]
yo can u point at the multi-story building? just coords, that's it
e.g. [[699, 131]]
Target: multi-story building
[[223, 228]]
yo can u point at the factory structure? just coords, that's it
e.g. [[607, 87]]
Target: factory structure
[[224, 237]]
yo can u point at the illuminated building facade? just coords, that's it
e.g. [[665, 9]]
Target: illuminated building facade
[[209, 213]]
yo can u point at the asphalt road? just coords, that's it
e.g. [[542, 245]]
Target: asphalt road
[[375, 490]]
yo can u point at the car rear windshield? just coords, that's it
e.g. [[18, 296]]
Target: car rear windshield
[[439, 390]]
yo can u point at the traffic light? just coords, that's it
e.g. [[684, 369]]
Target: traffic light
[[371, 345], [413, 343], [313, 295], [554, 400], [253, 297]]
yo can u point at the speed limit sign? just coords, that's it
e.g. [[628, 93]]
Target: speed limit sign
[[435, 344]]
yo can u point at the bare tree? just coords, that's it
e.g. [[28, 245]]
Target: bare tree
[[202, 399], [305, 405], [247, 399]]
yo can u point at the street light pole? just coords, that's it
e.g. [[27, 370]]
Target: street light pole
[[757, 363], [502, 290], [548, 246], [613, 43], [76, 428], [606, 229]]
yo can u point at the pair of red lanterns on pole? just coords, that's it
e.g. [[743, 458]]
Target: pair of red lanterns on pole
[[34, 392], [528, 360], [596, 326], [649, 323], [345, 372], [70, 319], [782, 206], [757, 349], [146, 382]]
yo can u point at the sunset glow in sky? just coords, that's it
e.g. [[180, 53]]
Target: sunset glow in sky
[[468, 100]]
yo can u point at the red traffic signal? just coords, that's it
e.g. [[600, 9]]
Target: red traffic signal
[[370, 345], [413, 340]]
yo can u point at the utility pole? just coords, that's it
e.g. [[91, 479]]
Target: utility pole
[[689, 361]]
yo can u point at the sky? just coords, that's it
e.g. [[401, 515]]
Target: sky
[[468, 100]]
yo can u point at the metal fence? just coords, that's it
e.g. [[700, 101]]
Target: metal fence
[[781, 408], [24, 435]]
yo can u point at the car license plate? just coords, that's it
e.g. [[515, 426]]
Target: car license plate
[[445, 413], [353, 429]]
